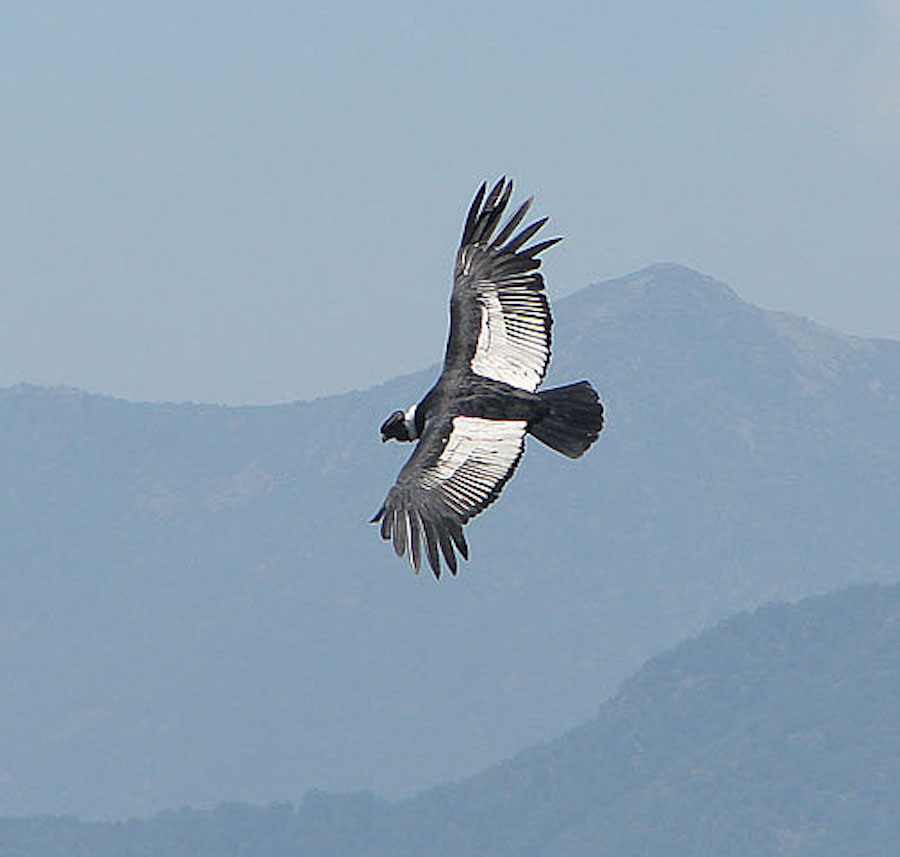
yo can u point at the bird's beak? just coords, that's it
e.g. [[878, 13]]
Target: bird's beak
[[383, 438]]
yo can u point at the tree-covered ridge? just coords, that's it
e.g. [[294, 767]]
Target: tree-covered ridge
[[774, 733]]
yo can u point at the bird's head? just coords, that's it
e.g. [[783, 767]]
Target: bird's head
[[400, 426]]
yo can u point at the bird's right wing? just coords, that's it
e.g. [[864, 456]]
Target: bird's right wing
[[499, 317], [457, 470]]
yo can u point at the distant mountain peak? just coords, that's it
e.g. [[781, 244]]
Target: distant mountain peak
[[665, 286]]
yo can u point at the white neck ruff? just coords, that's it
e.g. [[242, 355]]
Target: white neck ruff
[[409, 418]]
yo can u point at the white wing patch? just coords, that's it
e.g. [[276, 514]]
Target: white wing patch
[[478, 457], [513, 342]]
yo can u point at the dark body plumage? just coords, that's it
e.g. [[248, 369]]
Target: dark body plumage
[[471, 425]]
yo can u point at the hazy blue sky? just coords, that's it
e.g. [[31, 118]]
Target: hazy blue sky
[[254, 202]]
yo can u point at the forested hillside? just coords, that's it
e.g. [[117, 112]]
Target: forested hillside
[[772, 734]]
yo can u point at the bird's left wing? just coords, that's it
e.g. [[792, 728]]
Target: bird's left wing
[[457, 470]]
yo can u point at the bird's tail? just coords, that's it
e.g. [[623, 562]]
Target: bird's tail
[[574, 420]]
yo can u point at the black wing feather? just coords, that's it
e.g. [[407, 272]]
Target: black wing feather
[[431, 540], [525, 234], [458, 468], [538, 248], [472, 216], [415, 523], [513, 222], [400, 533], [446, 546], [493, 210]]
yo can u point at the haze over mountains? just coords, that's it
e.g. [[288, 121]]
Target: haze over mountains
[[772, 734], [193, 608]]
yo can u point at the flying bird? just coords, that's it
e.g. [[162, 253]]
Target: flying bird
[[471, 425]]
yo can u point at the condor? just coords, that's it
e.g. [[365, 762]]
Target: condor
[[471, 425]]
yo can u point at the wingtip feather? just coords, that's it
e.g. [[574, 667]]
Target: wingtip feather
[[528, 232], [472, 216], [431, 547], [415, 545], [513, 222], [400, 532], [540, 247]]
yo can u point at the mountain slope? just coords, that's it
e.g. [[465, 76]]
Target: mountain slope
[[772, 734], [194, 609]]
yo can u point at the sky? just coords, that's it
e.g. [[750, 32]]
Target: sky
[[260, 202]]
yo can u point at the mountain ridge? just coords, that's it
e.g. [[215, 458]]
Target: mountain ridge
[[199, 594], [619, 291], [771, 733]]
